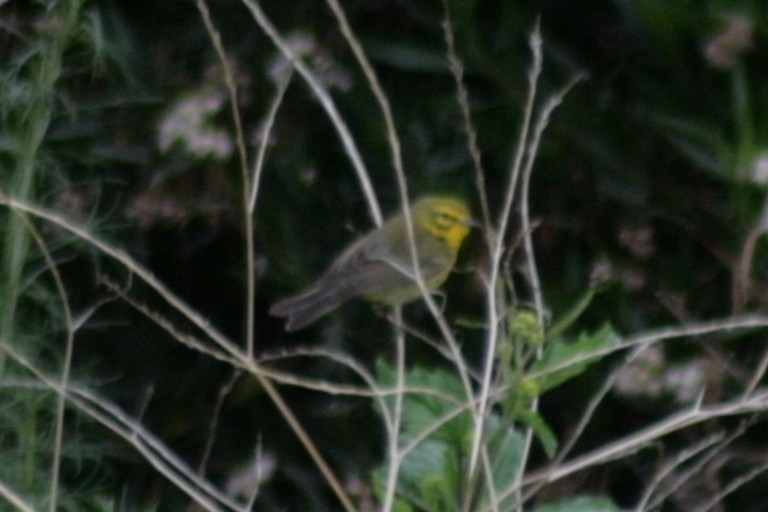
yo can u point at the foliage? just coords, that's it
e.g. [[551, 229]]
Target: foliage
[[436, 430], [170, 169]]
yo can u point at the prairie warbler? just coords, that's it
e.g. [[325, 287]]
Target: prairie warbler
[[379, 267]]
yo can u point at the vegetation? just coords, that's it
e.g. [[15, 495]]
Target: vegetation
[[169, 170]]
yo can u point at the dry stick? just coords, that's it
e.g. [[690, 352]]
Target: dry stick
[[733, 486], [240, 363], [533, 146], [351, 150], [393, 425], [15, 499], [757, 376], [586, 417], [339, 358], [277, 376], [394, 143], [250, 250], [533, 274], [326, 102], [66, 363], [269, 122], [742, 285], [462, 98], [225, 390], [639, 343], [634, 442], [131, 264], [645, 437], [657, 335], [527, 230], [257, 456], [179, 305], [641, 438], [696, 469], [374, 390], [185, 339], [436, 346], [678, 460], [494, 316], [329, 388], [136, 435]]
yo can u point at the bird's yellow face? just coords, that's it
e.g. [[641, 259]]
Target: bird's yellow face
[[444, 218]]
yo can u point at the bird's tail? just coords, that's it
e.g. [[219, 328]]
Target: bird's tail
[[303, 309]]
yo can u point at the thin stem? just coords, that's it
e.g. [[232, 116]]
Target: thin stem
[[395, 459], [494, 315], [154, 452], [66, 363], [735, 484], [327, 103], [45, 70], [648, 435], [462, 98], [250, 251], [269, 122], [219, 338], [14, 499], [530, 257]]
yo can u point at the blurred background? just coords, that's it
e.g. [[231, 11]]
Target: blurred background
[[652, 173]]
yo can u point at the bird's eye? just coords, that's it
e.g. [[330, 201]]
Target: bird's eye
[[445, 219]]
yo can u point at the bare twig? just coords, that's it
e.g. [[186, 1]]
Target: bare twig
[[154, 452], [733, 486], [497, 251], [644, 437], [696, 469], [14, 499], [327, 103], [462, 98], [198, 320], [250, 250], [224, 392], [66, 366]]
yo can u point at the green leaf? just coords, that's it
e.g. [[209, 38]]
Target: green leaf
[[580, 504], [572, 315], [423, 480], [559, 351], [422, 409], [506, 451], [541, 429], [430, 473]]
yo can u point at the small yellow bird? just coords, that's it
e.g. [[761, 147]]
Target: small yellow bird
[[379, 266]]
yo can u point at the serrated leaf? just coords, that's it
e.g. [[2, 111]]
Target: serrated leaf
[[545, 434], [560, 351], [507, 449], [421, 411], [423, 479]]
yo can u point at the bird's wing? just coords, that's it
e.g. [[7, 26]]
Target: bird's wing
[[371, 264]]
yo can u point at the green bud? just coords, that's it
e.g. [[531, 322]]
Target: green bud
[[530, 388], [525, 326]]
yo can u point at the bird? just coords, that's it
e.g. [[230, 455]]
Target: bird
[[378, 267]]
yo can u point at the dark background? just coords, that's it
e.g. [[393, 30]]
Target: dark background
[[647, 167]]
